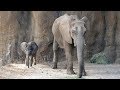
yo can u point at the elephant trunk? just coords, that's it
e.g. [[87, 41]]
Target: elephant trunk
[[28, 61], [80, 44]]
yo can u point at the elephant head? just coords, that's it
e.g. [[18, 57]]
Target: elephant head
[[29, 48], [77, 33], [78, 29]]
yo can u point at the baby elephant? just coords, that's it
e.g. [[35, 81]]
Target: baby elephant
[[30, 50]]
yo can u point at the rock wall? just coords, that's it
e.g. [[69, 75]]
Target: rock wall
[[42, 33], [18, 26]]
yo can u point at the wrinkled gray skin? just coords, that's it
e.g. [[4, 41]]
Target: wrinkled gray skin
[[30, 50], [69, 30]]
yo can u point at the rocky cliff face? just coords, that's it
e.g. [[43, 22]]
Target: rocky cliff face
[[42, 33], [18, 26], [8, 35]]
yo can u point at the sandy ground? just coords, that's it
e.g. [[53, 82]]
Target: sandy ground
[[44, 71]]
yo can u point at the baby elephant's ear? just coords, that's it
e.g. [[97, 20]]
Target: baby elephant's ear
[[85, 19]]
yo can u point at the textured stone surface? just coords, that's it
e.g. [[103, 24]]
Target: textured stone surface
[[18, 26]]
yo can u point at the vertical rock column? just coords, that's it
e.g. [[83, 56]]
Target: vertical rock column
[[95, 33], [117, 39], [8, 28], [42, 22], [111, 24]]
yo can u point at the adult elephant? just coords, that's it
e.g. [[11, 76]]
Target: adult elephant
[[69, 30]]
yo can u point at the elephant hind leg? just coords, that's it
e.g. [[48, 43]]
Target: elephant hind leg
[[55, 56], [35, 59], [28, 61]]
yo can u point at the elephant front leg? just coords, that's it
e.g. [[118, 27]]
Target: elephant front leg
[[55, 56], [31, 61], [68, 52], [35, 60], [27, 61]]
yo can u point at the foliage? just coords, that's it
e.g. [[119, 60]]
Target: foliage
[[99, 58]]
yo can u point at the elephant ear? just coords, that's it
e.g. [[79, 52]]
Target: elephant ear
[[65, 30], [73, 32], [84, 19], [23, 46]]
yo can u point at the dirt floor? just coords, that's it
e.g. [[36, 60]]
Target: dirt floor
[[44, 71]]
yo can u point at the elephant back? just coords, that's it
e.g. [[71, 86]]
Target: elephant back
[[61, 30]]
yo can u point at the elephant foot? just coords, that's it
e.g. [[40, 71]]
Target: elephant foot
[[65, 67], [84, 74], [70, 72], [35, 63], [54, 66], [31, 65], [79, 76], [26, 64]]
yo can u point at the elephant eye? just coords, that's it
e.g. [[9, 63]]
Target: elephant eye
[[73, 31], [73, 19], [76, 28]]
